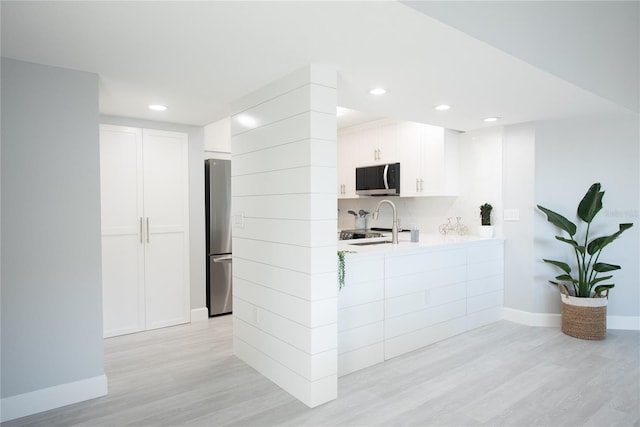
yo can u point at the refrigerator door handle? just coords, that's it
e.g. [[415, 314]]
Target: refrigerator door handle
[[222, 259], [148, 239]]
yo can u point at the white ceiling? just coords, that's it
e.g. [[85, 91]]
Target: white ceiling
[[199, 57]]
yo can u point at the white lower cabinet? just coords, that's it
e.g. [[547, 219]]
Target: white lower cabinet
[[361, 315], [428, 295], [145, 229]]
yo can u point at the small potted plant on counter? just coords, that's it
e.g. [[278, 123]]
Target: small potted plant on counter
[[486, 229], [584, 293]]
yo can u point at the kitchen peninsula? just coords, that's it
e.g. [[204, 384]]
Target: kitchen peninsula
[[398, 298]]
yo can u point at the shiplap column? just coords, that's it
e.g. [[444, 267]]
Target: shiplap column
[[283, 150]]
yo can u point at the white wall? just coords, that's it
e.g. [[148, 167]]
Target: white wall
[[570, 156], [52, 347], [283, 184], [196, 204], [518, 167]]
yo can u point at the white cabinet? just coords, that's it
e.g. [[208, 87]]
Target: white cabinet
[[217, 136], [347, 162], [378, 143], [361, 314], [145, 239], [399, 301], [435, 294], [429, 160], [428, 156]]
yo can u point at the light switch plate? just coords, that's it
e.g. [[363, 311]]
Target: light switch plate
[[238, 220], [512, 214]]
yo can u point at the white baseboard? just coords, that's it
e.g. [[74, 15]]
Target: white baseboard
[[48, 398], [199, 314], [530, 319], [631, 323], [628, 323]]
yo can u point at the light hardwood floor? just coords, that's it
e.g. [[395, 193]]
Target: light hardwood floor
[[501, 374]]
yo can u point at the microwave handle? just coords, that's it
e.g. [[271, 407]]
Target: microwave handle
[[385, 176]]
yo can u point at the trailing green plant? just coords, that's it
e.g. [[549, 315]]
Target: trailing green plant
[[587, 281], [341, 268], [485, 213]]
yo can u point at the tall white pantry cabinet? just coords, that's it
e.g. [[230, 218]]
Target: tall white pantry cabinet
[[145, 229]]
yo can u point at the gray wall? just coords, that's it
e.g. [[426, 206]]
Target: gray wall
[[51, 267], [196, 198], [570, 156]]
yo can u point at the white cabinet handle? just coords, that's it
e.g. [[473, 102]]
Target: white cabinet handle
[[141, 232], [417, 185], [147, 229], [421, 185]]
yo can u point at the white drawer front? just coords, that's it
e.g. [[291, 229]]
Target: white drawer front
[[487, 252], [405, 343], [419, 301], [360, 315], [417, 263], [360, 293], [480, 302], [400, 325], [485, 285], [402, 285], [363, 336], [485, 269]]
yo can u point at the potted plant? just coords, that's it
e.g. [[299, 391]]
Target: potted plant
[[486, 229], [584, 293]]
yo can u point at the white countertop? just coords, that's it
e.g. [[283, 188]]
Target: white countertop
[[405, 245]]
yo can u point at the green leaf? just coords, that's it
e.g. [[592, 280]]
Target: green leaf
[[566, 278], [599, 289], [603, 267], [572, 243], [559, 221], [600, 279], [553, 283], [599, 243], [591, 203], [562, 265]]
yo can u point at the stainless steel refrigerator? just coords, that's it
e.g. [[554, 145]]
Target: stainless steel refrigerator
[[218, 219]]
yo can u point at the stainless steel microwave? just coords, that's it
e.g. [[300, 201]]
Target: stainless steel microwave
[[378, 180]]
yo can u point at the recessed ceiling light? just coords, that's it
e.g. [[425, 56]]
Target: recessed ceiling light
[[442, 107], [491, 119], [157, 107], [378, 91]]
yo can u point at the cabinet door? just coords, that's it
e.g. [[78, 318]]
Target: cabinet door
[[166, 225], [122, 248], [411, 136], [433, 161], [347, 161], [388, 143]]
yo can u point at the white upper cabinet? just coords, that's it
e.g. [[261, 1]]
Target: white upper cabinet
[[347, 161], [429, 160], [378, 143], [217, 136], [428, 156]]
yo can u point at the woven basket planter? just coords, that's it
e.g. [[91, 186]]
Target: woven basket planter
[[584, 318]]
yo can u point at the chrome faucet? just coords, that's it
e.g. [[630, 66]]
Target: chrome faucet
[[394, 227]]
